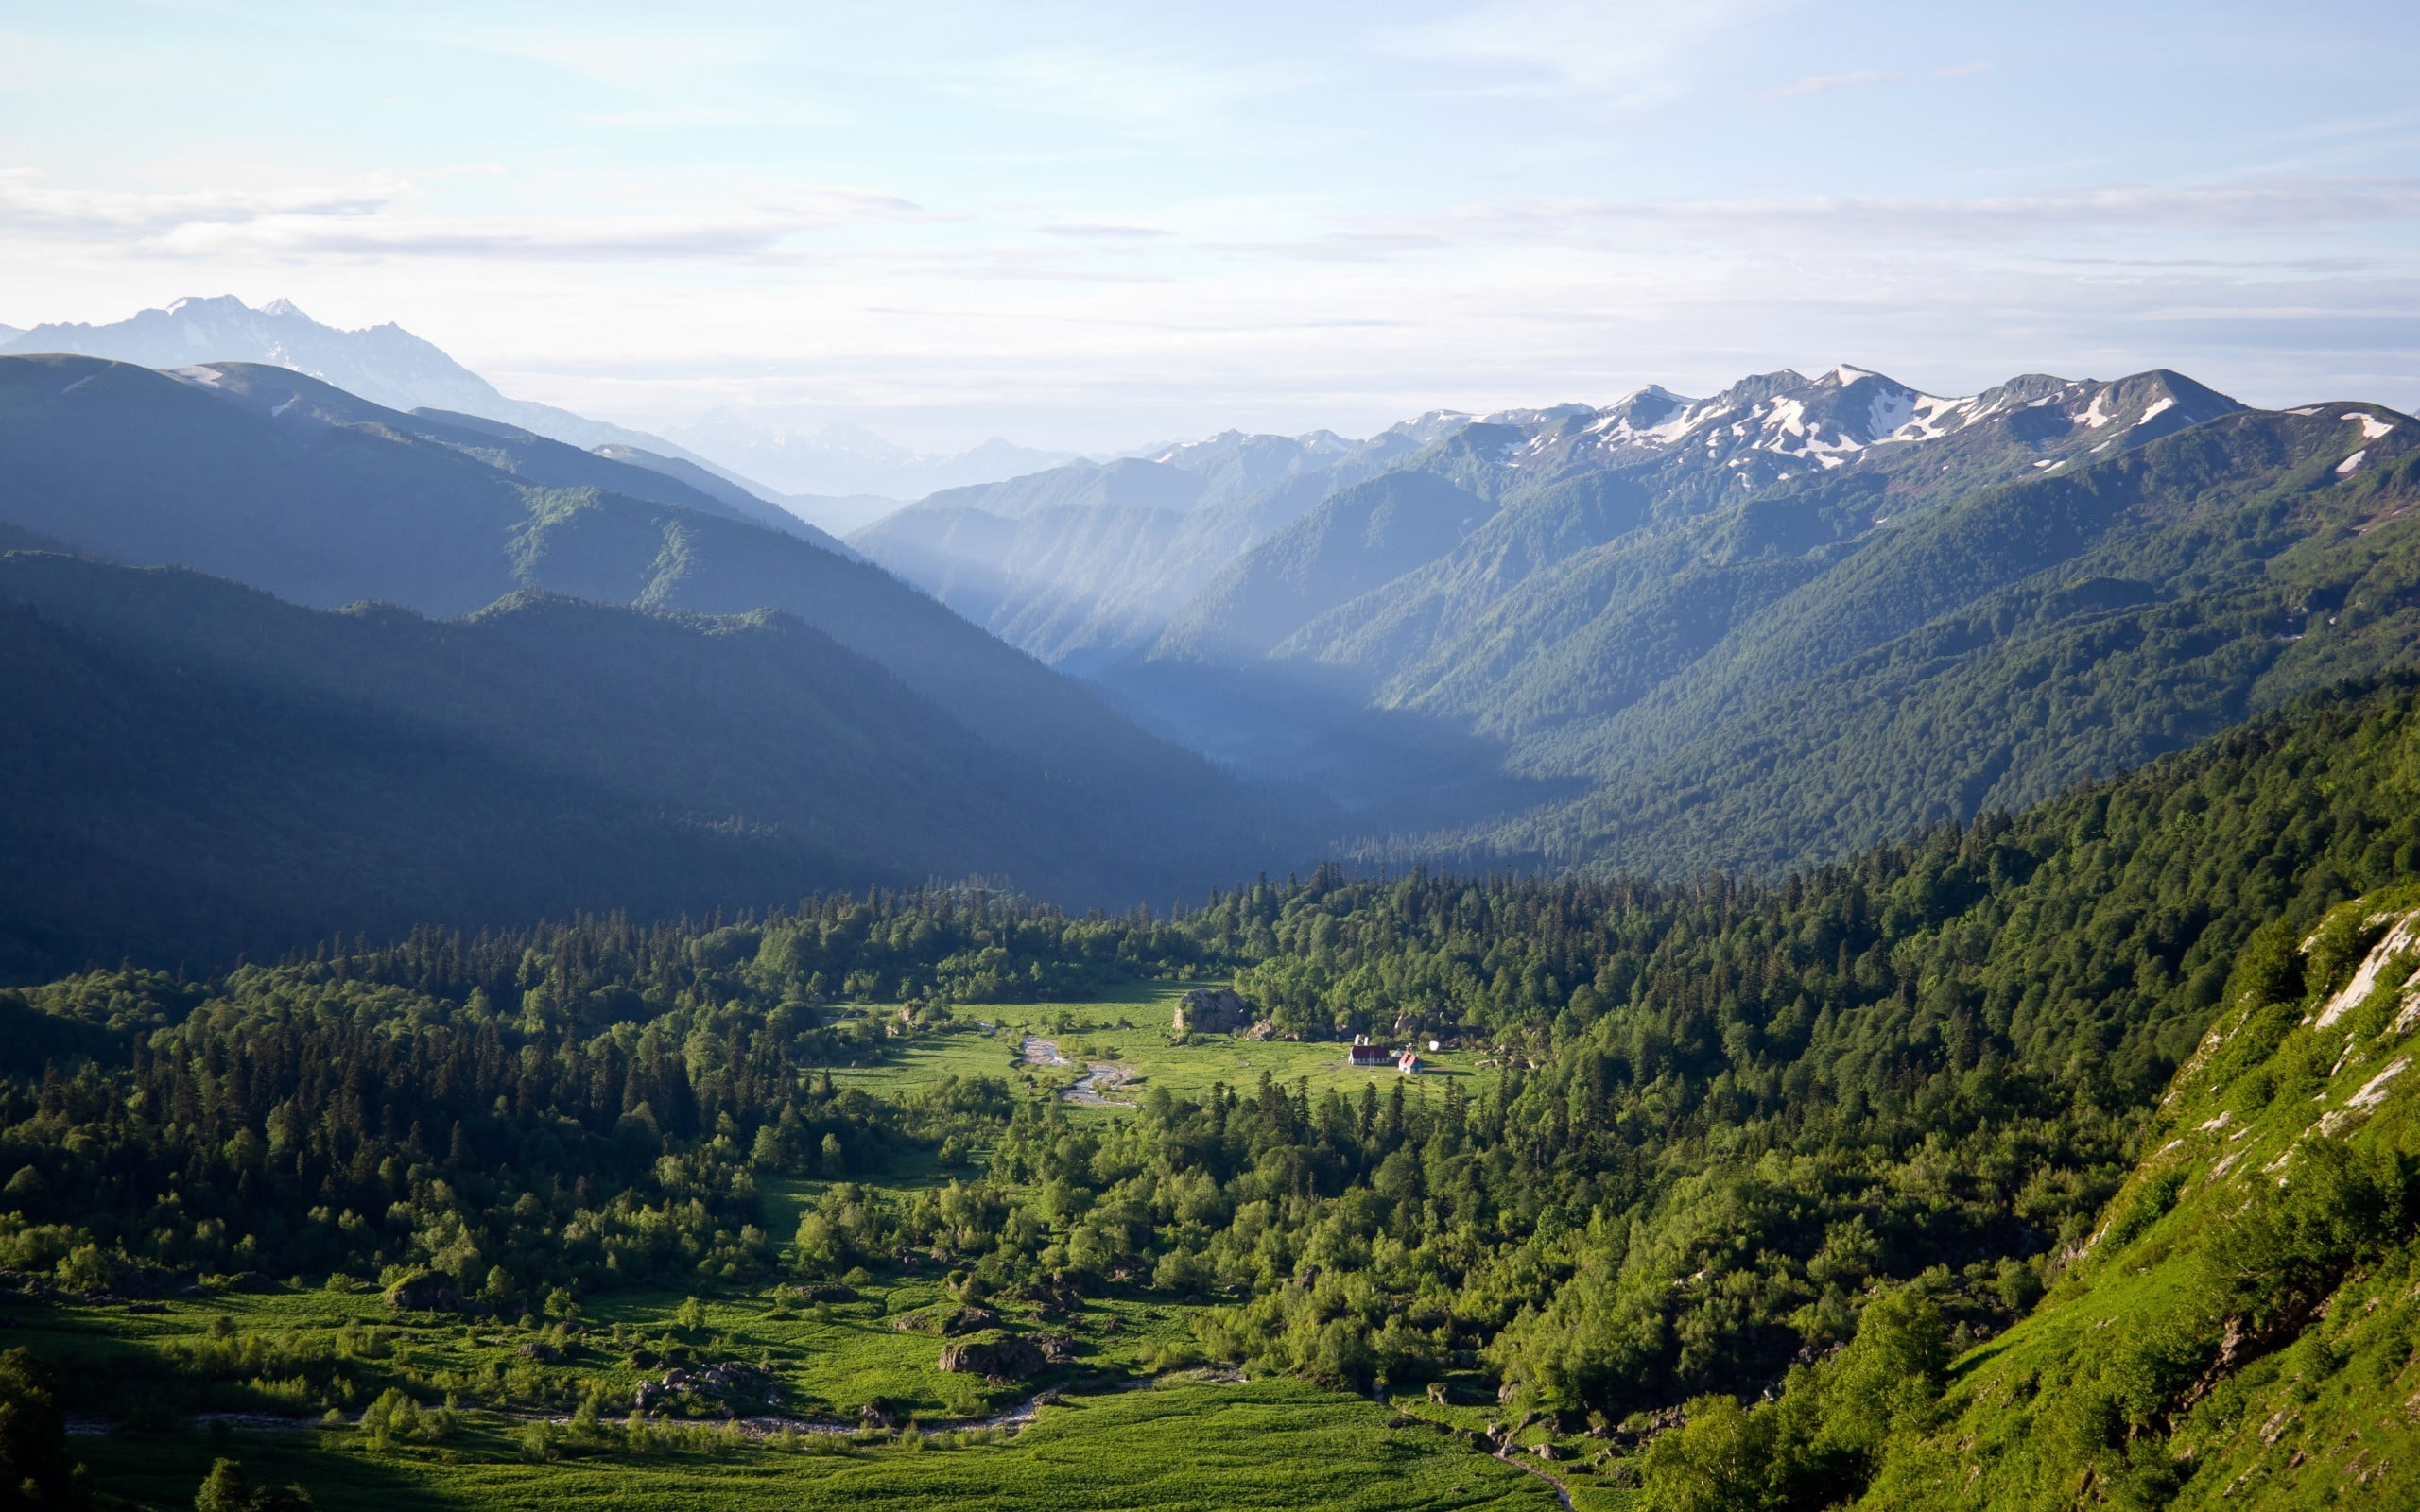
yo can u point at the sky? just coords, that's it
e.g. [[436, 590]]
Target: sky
[[1096, 226]]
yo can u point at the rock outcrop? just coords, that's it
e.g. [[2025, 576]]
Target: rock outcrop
[[1003, 1357], [424, 1291], [1212, 1010], [947, 1321]]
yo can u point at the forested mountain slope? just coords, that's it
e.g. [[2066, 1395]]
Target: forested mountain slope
[[1050, 582], [1753, 492], [1085, 564], [1356, 541], [2240, 1328], [272, 479], [1996, 648], [203, 770], [747, 504]]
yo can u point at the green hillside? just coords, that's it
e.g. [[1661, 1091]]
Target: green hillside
[[2240, 1328]]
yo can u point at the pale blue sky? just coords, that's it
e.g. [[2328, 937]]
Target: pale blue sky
[[1096, 225]]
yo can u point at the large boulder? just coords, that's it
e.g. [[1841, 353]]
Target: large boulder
[[424, 1291], [1000, 1356], [1212, 1010]]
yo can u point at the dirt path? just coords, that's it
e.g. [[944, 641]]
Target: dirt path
[[1561, 1492], [1512, 1458]]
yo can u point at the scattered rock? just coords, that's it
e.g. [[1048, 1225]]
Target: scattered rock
[[724, 1382], [1440, 1395], [1546, 1451], [947, 1321], [541, 1351], [1047, 1301]]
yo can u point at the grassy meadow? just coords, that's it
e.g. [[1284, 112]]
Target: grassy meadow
[[1129, 1030], [1273, 1444], [865, 1413]]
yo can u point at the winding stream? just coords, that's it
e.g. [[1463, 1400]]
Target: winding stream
[[1100, 1076]]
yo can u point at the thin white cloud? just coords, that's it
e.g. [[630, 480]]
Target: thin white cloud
[[1103, 231], [373, 221], [1626, 52], [789, 114], [30, 207], [2254, 205], [626, 239], [1825, 84], [641, 58], [1142, 92], [2281, 205]]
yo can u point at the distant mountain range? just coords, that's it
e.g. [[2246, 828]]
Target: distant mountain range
[[385, 364], [825, 476], [983, 758], [1737, 631]]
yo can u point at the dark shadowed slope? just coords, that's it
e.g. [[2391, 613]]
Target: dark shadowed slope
[[200, 768]]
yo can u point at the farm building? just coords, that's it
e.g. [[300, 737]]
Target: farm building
[[1366, 1054]]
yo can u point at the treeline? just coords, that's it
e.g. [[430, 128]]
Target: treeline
[[1732, 1115]]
